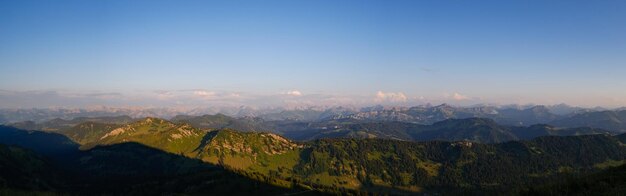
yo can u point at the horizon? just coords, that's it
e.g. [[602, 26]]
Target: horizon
[[212, 110], [151, 54]]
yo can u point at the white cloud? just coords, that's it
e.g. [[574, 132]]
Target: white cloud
[[459, 97], [204, 94], [294, 93], [390, 97], [164, 95]]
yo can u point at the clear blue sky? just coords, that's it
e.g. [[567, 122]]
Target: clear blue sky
[[488, 51]]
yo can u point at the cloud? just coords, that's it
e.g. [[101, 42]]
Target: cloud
[[95, 95], [390, 97], [294, 93], [459, 97], [204, 94], [164, 95]]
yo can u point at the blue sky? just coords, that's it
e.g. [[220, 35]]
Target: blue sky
[[409, 52]]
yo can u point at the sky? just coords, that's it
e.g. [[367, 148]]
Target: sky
[[269, 53]]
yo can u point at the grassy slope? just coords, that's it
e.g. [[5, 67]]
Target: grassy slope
[[156, 133]]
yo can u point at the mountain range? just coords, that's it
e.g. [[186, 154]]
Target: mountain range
[[206, 154], [247, 119]]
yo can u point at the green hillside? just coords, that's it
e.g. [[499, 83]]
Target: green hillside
[[88, 132], [433, 166], [156, 133]]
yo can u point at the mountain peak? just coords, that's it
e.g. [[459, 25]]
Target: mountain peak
[[152, 120], [228, 142], [443, 105], [539, 108]]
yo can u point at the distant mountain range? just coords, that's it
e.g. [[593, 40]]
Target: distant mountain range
[[312, 113], [470, 129], [483, 130], [609, 120], [248, 119]]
